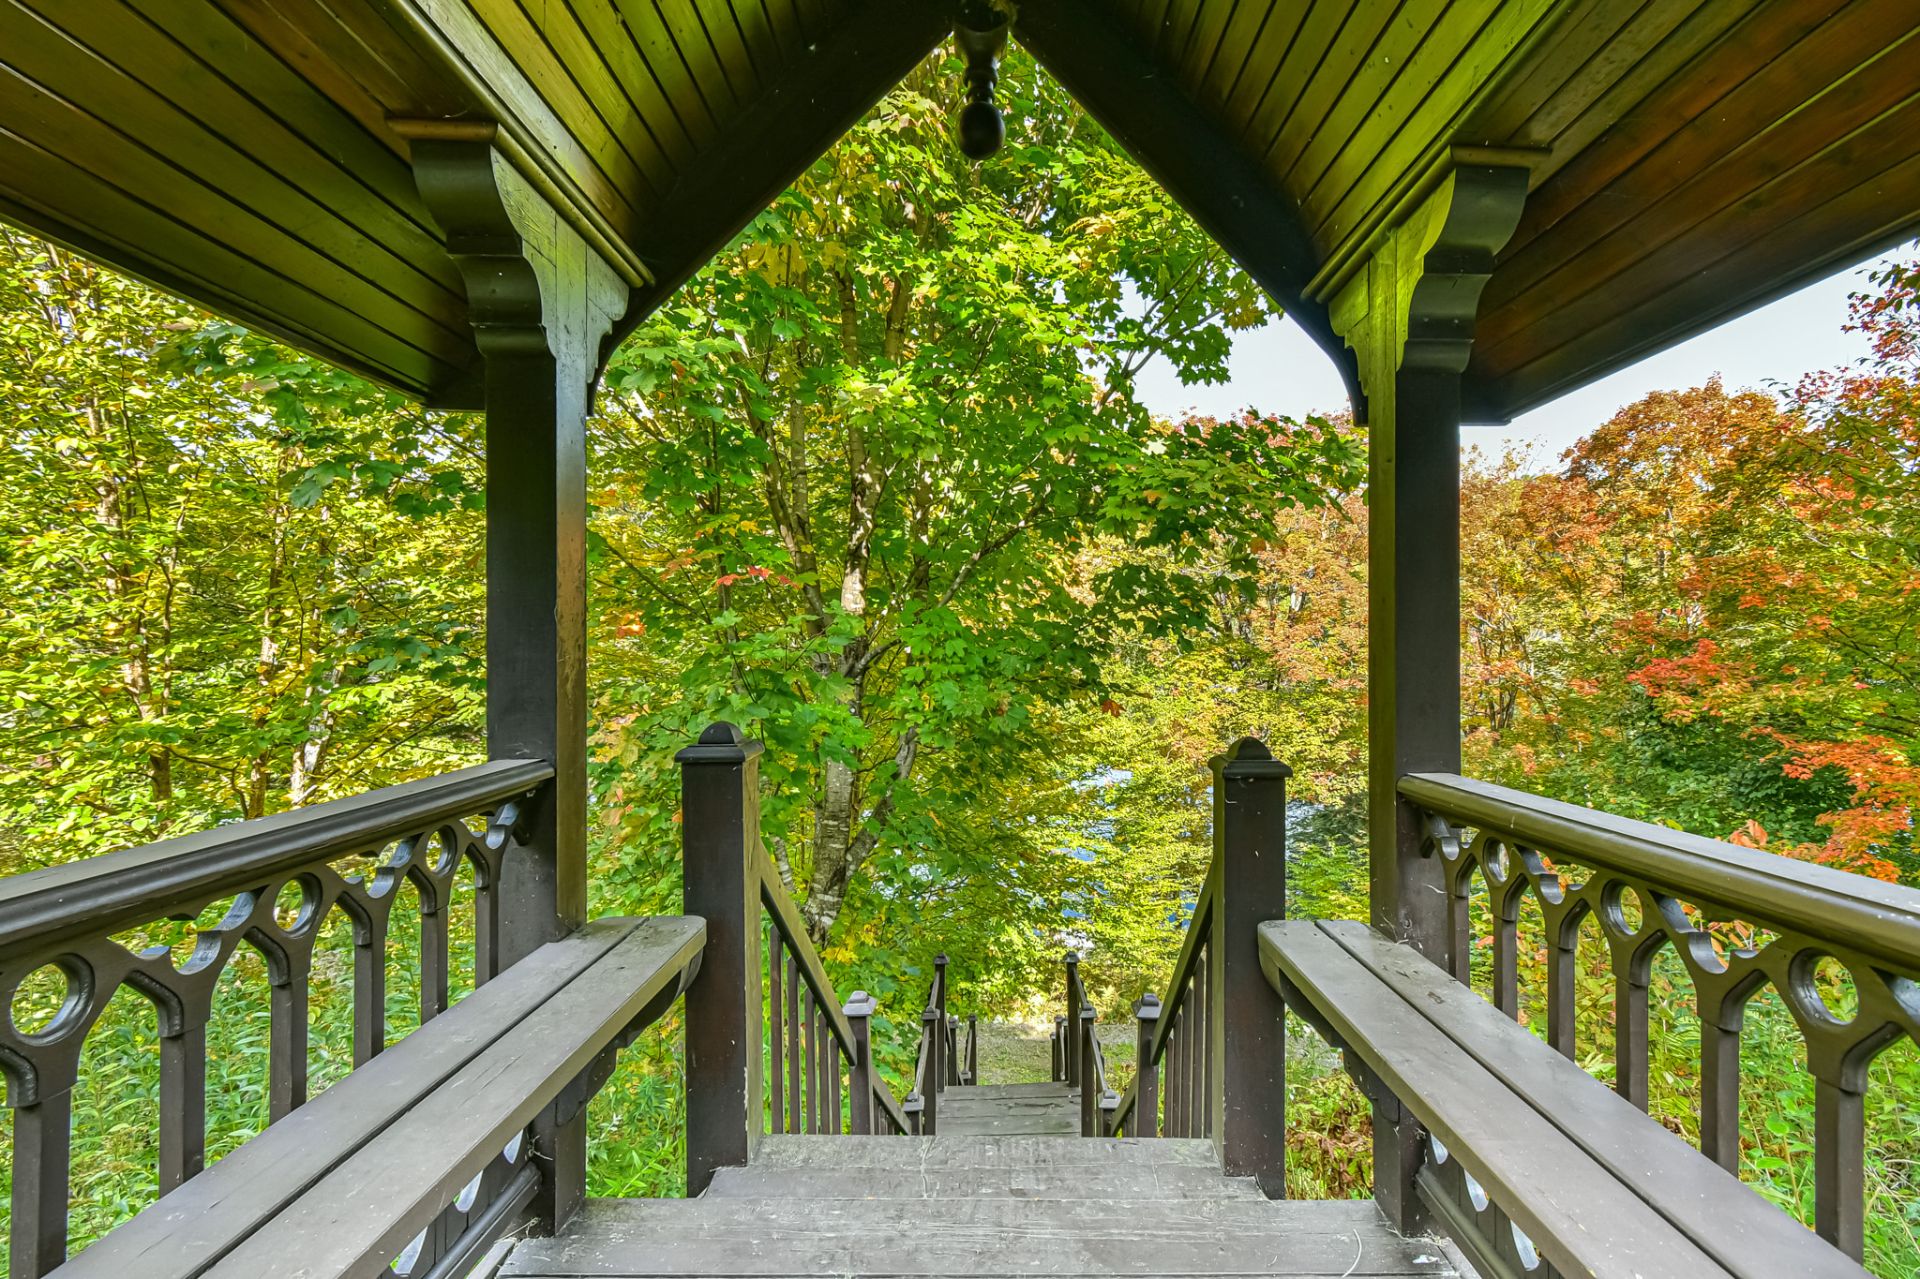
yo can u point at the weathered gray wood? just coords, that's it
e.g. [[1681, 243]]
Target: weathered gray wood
[[1010, 1110], [370, 1205], [990, 1092], [1582, 1219], [947, 1151], [1735, 1226], [747, 1237], [1010, 1126], [208, 1215], [1126, 1181]]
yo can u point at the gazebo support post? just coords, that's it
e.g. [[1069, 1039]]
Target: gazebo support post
[[540, 302], [1408, 312]]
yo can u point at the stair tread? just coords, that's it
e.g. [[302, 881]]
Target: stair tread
[[977, 1236], [950, 1150], [1008, 1090], [1139, 1181]]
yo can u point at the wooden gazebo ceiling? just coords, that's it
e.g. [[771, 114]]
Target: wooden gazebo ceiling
[[1690, 158]]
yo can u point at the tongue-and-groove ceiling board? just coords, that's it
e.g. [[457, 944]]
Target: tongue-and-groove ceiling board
[[1689, 158]]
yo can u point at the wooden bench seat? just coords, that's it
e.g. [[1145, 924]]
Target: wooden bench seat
[[348, 1181], [1594, 1184]]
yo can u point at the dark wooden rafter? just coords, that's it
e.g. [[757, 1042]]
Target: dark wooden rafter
[[823, 90], [1213, 177]]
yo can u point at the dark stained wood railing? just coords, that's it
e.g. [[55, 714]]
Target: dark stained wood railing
[[1740, 920], [938, 1063], [770, 1046], [1210, 1055], [816, 1043], [98, 926], [1176, 1064], [1098, 1100]]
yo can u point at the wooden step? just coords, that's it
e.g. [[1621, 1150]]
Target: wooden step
[[950, 1151], [849, 1239], [1001, 1091], [1135, 1181]]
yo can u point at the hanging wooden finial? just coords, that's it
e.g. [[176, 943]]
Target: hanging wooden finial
[[981, 33]]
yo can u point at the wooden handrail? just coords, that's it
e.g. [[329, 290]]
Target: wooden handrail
[[764, 1023], [1739, 919], [1218, 1032], [1179, 986], [97, 896], [285, 878], [791, 930], [1879, 919]]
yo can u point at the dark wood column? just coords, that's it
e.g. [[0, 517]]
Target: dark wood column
[[540, 302], [1247, 1021], [720, 845], [1408, 313]]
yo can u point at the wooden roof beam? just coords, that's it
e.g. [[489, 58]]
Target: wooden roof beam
[[820, 95], [1190, 154]]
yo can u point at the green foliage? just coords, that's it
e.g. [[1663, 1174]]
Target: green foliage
[[877, 487], [853, 484], [239, 579]]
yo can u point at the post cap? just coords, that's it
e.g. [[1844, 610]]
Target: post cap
[[1249, 757], [1148, 1007], [720, 743], [929, 1016], [1072, 958], [941, 960], [1087, 1013], [861, 1004]]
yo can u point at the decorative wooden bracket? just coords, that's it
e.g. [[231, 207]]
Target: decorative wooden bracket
[[534, 285], [1412, 304]]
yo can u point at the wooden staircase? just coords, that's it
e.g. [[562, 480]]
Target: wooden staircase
[[977, 1205], [1011, 1110]]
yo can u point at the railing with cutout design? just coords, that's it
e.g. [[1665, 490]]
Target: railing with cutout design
[[1841, 950], [72, 936]]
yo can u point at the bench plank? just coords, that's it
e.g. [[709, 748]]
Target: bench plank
[[1580, 1218], [371, 1205], [1730, 1222], [201, 1220]]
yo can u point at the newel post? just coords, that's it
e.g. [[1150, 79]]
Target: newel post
[[1146, 1088], [720, 842], [1246, 1019], [1059, 1047], [932, 1031], [1089, 1096], [942, 1073], [859, 1010], [1073, 1018]]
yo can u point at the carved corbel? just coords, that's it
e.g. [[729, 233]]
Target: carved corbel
[[1412, 303], [535, 286]]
